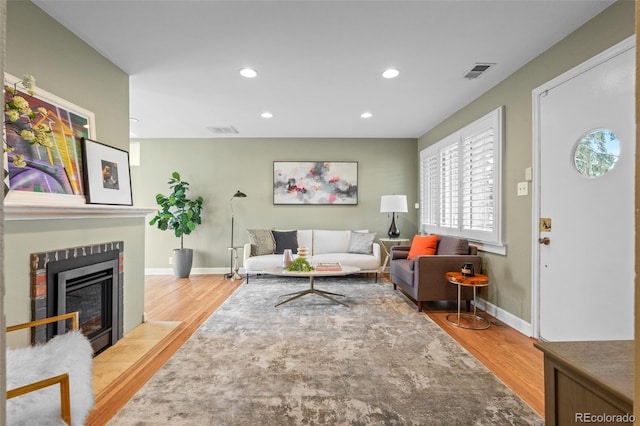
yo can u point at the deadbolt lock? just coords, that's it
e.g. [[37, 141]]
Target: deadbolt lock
[[544, 241]]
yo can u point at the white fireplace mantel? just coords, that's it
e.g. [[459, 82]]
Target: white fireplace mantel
[[21, 205]]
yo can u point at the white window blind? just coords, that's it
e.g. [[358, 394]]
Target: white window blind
[[429, 188], [449, 187], [460, 181], [477, 181]]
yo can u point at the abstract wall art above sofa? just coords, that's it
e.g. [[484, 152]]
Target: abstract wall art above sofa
[[315, 182]]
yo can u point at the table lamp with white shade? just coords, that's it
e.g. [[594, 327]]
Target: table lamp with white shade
[[393, 204]]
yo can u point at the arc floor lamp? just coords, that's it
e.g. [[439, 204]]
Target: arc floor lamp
[[232, 248]]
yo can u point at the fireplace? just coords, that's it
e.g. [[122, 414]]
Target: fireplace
[[86, 279]]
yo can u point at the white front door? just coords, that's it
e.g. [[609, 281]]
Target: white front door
[[584, 220]]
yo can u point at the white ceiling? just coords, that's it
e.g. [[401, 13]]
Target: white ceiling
[[319, 62]]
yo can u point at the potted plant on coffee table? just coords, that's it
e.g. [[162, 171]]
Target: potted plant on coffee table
[[180, 214]]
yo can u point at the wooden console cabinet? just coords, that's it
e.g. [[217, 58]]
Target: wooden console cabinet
[[588, 382]]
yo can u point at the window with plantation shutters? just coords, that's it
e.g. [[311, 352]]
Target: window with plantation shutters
[[460, 182]]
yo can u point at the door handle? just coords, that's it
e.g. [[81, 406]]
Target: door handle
[[546, 241]]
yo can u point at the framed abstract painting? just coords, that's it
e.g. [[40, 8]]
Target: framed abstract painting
[[54, 165], [315, 182]]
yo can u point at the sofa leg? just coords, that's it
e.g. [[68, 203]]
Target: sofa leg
[[419, 306], [394, 286]]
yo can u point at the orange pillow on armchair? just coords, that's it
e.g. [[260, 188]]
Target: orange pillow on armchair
[[423, 245]]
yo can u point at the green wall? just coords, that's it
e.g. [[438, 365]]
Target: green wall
[[510, 287], [217, 168], [67, 67]]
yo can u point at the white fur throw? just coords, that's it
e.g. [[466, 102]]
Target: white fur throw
[[67, 353]]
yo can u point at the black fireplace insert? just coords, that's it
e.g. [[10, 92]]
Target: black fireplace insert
[[89, 285]]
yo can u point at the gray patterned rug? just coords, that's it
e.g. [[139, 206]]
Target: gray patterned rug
[[314, 362]]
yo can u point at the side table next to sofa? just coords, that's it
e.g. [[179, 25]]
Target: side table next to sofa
[[235, 266], [386, 244], [476, 321]]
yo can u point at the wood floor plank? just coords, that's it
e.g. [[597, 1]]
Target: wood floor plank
[[504, 351]]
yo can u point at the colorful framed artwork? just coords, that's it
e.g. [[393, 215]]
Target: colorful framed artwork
[[54, 167], [107, 176], [315, 182]]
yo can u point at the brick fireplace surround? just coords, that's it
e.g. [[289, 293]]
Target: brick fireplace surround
[[38, 264]]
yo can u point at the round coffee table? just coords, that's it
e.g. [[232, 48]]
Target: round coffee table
[[476, 321], [345, 270]]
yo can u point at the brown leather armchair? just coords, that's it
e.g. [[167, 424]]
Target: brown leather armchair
[[423, 277]]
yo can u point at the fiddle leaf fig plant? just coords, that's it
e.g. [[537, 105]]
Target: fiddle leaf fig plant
[[177, 212]]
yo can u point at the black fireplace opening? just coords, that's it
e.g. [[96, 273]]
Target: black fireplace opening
[[89, 285]]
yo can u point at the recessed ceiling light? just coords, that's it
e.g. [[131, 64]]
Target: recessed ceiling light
[[248, 73], [266, 115], [391, 73], [366, 115]]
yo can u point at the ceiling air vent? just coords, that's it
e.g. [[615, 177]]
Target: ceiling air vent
[[477, 70], [223, 130]]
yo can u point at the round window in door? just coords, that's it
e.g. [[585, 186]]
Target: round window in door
[[596, 153]]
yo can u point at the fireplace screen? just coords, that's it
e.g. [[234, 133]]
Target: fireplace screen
[[88, 285], [90, 300]]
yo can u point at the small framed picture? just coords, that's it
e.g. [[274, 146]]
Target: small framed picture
[[107, 177]]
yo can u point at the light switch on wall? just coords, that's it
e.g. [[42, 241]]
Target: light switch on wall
[[527, 174], [523, 189]]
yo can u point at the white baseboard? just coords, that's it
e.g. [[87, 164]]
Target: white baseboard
[[194, 271], [158, 271], [506, 317]]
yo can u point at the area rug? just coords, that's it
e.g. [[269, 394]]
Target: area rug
[[314, 362]]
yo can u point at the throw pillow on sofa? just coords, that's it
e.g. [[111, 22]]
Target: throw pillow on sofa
[[361, 242], [423, 245], [285, 240], [262, 242]]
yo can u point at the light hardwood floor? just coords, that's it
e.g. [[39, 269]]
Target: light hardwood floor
[[507, 353], [190, 301]]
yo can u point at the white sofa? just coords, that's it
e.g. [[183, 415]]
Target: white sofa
[[323, 246]]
